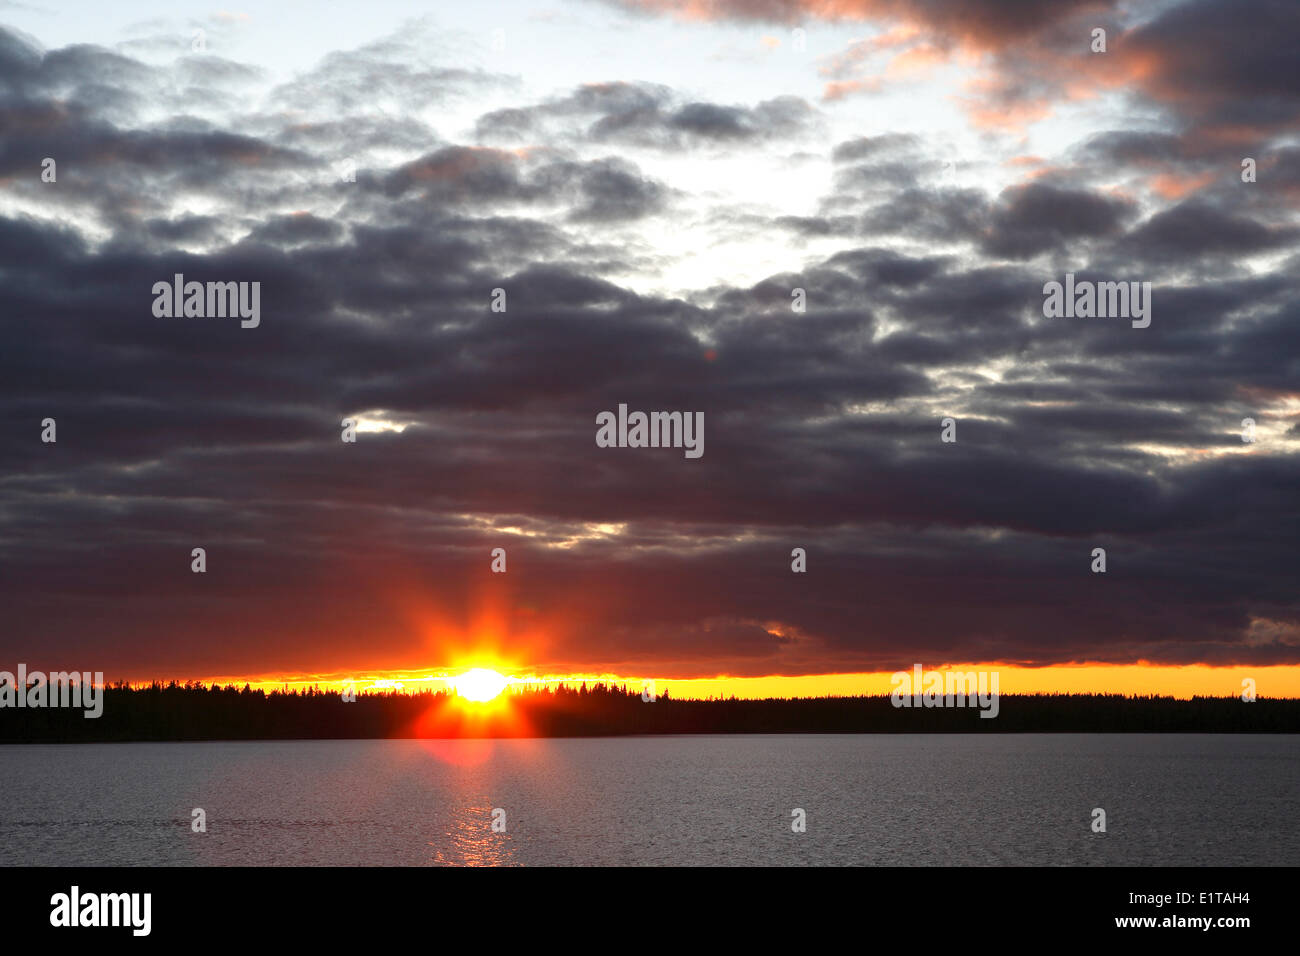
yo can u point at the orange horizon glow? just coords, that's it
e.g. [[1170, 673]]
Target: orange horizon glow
[[489, 682]]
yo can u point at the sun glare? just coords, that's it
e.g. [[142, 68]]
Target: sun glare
[[480, 684]]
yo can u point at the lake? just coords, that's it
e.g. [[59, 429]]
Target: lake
[[868, 799]]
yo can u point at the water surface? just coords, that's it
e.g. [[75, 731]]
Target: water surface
[[869, 799]]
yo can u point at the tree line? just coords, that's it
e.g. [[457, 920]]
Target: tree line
[[192, 711]]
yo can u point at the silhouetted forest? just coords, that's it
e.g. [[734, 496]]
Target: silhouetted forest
[[195, 712]]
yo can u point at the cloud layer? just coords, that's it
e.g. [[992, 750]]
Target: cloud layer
[[822, 428]]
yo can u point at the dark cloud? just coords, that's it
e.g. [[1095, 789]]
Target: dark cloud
[[1225, 68], [865, 147], [1192, 229], [821, 427], [648, 115], [602, 190], [1037, 218]]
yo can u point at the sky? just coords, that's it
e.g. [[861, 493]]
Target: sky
[[825, 226]]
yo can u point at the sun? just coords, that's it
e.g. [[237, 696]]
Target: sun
[[479, 684]]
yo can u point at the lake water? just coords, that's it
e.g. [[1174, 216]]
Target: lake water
[[869, 799]]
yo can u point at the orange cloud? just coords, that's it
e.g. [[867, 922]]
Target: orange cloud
[[1009, 117], [839, 90], [1176, 186], [988, 24], [917, 60]]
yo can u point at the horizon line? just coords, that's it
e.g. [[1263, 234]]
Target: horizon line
[[1142, 679]]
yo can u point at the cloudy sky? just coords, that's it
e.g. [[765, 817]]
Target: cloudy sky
[[649, 183]]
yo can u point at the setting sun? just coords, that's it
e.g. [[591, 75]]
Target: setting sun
[[479, 684]]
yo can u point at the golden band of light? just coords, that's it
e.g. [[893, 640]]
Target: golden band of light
[[1142, 679]]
